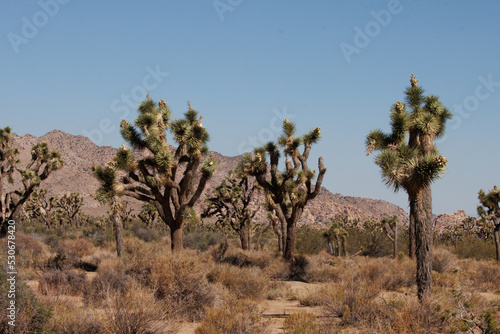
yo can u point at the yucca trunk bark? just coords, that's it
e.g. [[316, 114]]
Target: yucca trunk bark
[[421, 206], [176, 237], [496, 235], [411, 233], [117, 227], [244, 237]]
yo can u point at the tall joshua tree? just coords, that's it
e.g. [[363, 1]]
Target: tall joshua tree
[[107, 194], [43, 162], [172, 179], [490, 210], [288, 191], [230, 203], [409, 159]]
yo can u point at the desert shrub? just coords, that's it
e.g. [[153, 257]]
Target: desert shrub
[[488, 274], [309, 240], [59, 282], [31, 252], [298, 268], [300, 323], [235, 316], [137, 312], [322, 268], [108, 280], [276, 290], [319, 296], [364, 242], [32, 316], [246, 258], [202, 240], [147, 234], [78, 322], [80, 247], [443, 260], [62, 260], [180, 281], [278, 269], [353, 300], [242, 282], [472, 247]]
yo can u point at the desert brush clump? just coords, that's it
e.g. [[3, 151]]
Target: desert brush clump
[[234, 316], [246, 282]]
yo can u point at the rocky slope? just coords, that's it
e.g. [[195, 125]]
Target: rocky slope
[[79, 153]]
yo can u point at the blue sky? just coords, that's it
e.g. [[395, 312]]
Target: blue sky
[[80, 66]]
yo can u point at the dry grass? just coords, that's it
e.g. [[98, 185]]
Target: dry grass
[[443, 260], [241, 282], [235, 316]]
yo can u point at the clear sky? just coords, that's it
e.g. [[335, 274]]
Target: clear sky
[[81, 66]]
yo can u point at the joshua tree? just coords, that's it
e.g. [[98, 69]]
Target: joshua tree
[[489, 210], [38, 206], [12, 197], [230, 203], [336, 235], [391, 231], [69, 205], [107, 194], [289, 191], [170, 179], [148, 214], [413, 165]]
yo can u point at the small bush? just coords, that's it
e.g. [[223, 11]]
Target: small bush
[[32, 316], [246, 258], [31, 252], [443, 260], [242, 282], [202, 240], [353, 300], [300, 323], [147, 234], [309, 240], [137, 312], [236, 316], [180, 281], [108, 280], [80, 247], [62, 282]]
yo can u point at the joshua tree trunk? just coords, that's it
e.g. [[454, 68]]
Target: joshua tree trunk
[[421, 205], [496, 234], [395, 243], [117, 227], [290, 240], [244, 237], [411, 233], [283, 236], [176, 237]]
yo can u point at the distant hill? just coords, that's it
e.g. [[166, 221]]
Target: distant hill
[[79, 153]]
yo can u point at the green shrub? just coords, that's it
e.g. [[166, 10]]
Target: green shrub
[[309, 240]]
